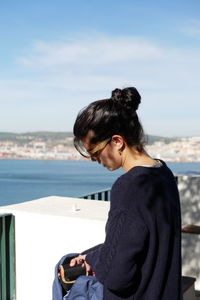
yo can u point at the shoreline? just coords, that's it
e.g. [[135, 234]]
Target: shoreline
[[82, 159]]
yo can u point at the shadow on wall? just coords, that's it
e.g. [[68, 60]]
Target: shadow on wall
[[189, 189]]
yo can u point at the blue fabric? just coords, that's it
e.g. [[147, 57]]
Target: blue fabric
[[57, 289], [85, 287]]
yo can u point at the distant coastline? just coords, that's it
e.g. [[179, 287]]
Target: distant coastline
[[59, 146]]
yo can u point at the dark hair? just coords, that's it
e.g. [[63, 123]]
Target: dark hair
[[107, 117]]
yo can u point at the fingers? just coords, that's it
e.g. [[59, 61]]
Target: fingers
[[72, 262], [81, 260], [88, 268], [77, 260]]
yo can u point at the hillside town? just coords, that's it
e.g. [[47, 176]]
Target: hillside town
[[180, 150], [37, 147]]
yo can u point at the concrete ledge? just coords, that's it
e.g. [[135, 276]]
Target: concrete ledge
[[62, 206], [47, 229]]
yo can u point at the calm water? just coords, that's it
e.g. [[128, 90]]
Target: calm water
[[25, 180]]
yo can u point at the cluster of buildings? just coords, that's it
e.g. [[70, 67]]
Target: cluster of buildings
[[37, 149], [177, 150]]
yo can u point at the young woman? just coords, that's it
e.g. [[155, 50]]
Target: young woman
[[140, 258]]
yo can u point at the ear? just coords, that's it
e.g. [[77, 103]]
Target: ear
[[118, 141]]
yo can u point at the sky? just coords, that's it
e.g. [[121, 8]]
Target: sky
[[58, 56]]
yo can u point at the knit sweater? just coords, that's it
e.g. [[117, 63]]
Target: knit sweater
[[140, 258]]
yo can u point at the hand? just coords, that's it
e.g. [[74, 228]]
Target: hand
[[80, 260]]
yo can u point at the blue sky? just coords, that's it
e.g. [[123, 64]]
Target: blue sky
[[58, 56]]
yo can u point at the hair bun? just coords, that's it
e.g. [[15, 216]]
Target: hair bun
[[116, 95], [128, 97]]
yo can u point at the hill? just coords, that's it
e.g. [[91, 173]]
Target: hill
[[43, 136], [58, 137]]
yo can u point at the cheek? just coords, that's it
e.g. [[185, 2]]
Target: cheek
[[111, 157]]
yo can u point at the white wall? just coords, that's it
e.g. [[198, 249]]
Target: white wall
[[47, 229]]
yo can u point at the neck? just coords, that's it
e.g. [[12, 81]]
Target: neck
[[132, 158]]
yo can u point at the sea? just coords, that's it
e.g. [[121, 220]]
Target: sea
[[25, 180]]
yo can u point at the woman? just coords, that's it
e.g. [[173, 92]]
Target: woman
[[141, 255]]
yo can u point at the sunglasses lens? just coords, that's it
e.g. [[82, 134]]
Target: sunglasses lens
[[94, 155]]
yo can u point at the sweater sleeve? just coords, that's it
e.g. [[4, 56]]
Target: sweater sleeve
[[115, 262]]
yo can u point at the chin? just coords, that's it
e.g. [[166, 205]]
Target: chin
[[107, 167], [112, 168]]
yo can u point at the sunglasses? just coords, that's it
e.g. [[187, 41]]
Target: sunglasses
[[96, 151]]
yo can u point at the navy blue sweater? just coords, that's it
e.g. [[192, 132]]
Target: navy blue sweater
[[140, 258]]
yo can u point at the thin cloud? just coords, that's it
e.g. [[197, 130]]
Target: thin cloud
[[192, 28], [100, 63], [66, 76], [103, 56], [97, 50]]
